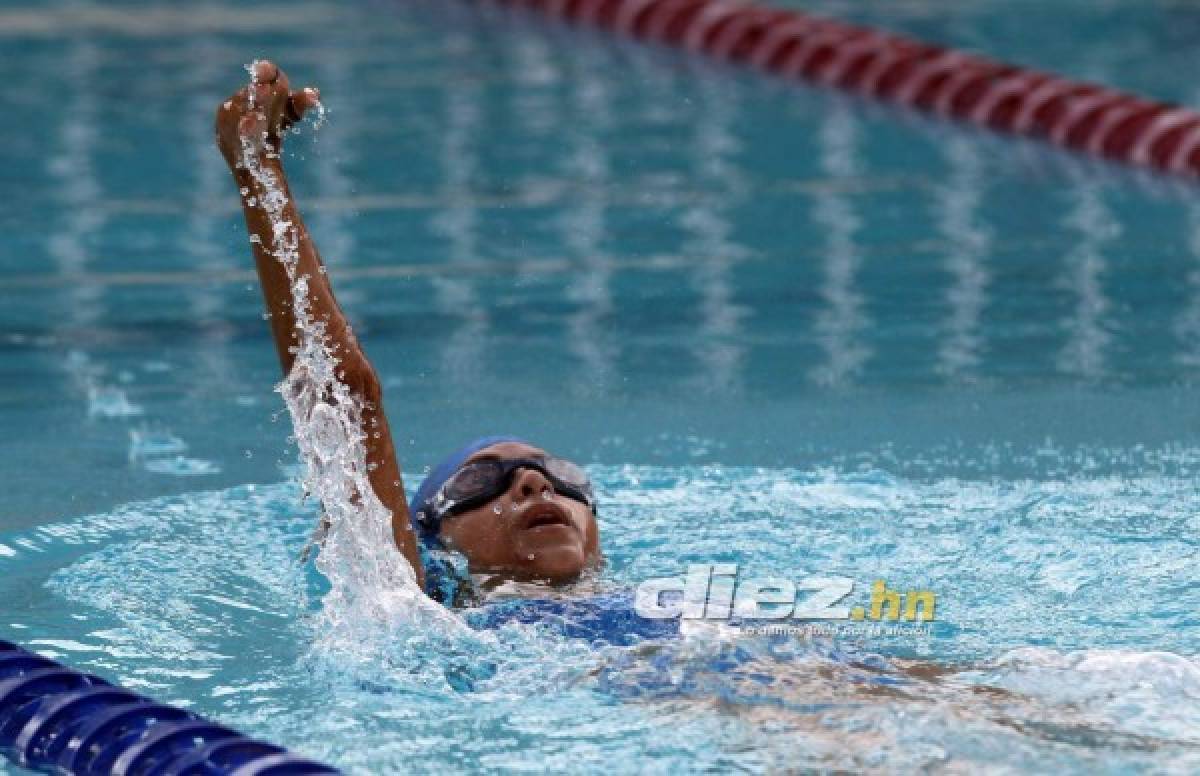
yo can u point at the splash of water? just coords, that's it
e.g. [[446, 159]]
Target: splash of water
[[372, 586], [321, 117]]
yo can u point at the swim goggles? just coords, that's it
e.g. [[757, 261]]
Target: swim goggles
[[479, 482]]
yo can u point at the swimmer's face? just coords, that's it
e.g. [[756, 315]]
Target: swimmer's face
[[529, 531]]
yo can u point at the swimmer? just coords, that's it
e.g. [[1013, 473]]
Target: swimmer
[[519, 514], [510, 508]]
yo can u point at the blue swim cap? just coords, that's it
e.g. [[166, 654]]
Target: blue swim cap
[[445, 572], [424, 521]]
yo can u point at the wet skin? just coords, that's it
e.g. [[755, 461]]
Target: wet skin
[[527, 532], [533, 538]]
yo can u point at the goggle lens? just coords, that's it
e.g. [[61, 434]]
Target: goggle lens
[[473, 480], [568, 472], [482, 481]]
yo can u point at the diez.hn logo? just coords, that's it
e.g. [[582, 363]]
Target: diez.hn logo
[[712, 591]]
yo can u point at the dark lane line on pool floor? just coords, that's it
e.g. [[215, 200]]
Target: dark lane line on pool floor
[[665, 262]]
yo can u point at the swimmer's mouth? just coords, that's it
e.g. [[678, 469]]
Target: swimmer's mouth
[[542, 515]]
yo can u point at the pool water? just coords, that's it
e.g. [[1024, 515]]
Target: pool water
[[785, 329], [200, 599]]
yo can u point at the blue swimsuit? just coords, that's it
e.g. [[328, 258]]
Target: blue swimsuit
[[739, 671], [607, 619]]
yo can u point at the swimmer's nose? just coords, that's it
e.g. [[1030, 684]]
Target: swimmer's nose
[[528, 483]]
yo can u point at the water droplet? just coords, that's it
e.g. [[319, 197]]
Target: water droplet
[[255, 239], [498, 509], [249, 454], [530, 556], [244, 191], [547, 495], [266, 316]]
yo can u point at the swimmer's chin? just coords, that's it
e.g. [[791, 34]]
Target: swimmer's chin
[[554, 565], [553, 554]]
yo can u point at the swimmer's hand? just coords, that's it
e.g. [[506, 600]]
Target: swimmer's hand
[[254, 119]]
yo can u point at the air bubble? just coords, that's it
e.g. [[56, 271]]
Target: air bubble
[[530, 556]]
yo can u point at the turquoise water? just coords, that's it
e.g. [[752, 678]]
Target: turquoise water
[[199, 599], [785, 329]]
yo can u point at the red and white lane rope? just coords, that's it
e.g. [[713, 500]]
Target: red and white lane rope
[[1089, 118]]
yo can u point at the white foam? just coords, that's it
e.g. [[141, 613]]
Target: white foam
[[106, 401]]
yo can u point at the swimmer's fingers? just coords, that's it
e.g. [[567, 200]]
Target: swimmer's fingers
[[264, 71], [267, 81], [252, 130], [299, 103], [239, 126], [272, 93], [252, 126], [252, 121]]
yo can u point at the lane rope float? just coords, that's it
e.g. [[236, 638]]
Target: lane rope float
[[1085, 117], [59, 720]]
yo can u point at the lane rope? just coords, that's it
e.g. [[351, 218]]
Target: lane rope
[[58, 720], [1085, 117]]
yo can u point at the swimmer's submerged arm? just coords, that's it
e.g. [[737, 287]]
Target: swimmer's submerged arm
[[241, 124]]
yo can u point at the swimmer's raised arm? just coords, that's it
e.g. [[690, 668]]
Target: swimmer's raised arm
[[250, 128]]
